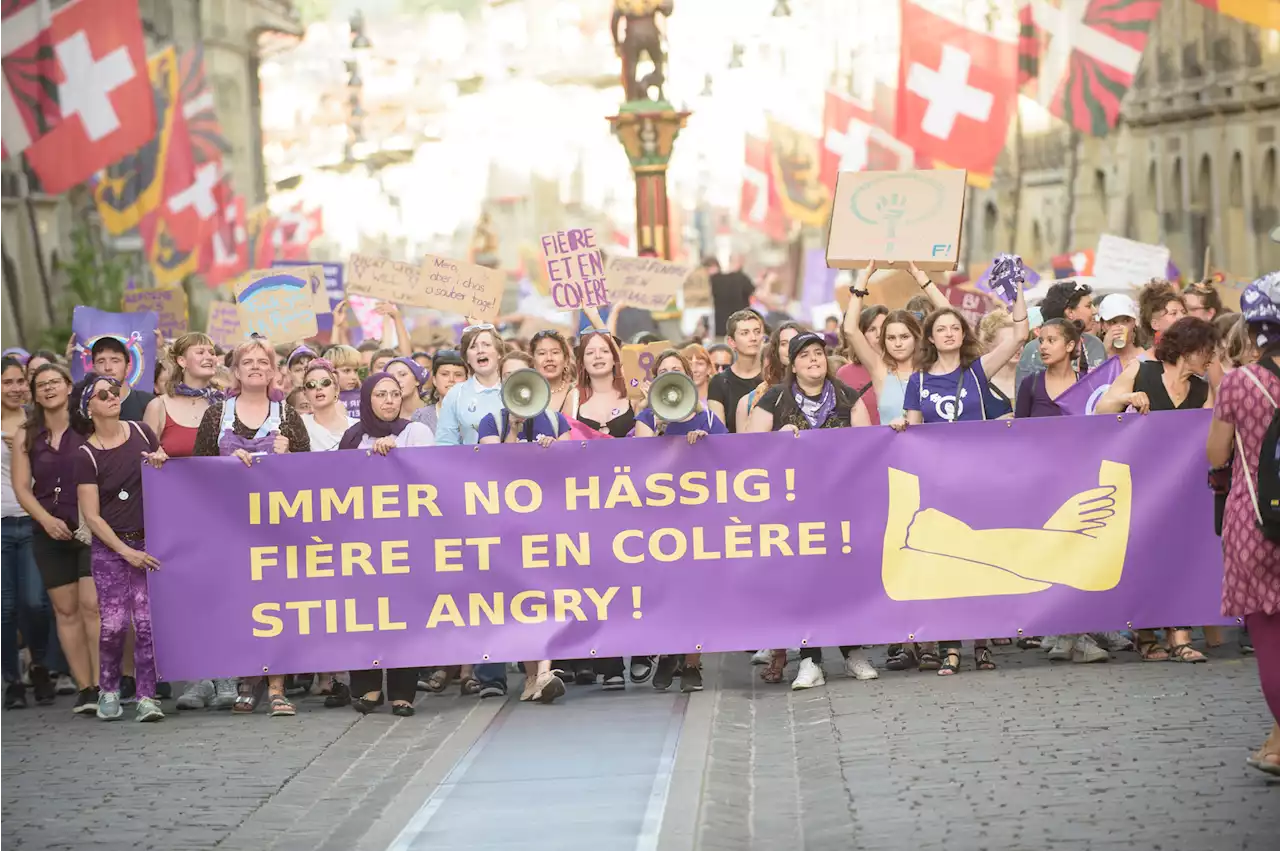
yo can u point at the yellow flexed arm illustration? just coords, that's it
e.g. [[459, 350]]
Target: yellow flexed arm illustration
[[929, 555]]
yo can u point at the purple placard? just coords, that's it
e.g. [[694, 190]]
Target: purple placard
[[582, 558], [818, 284], [1083, 396], [333, 286], [137, 331], [1003, 276]]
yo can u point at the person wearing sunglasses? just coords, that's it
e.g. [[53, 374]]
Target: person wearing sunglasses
[[108, 479], [328, 419], [722, 357]]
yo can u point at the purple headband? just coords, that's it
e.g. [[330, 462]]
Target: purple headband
[[1260, 307], [301, 352]]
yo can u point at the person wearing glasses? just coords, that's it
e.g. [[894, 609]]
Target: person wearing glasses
[[328, 420], [722, 357], [1202, 300]]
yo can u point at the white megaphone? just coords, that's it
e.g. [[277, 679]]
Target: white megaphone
[[673, 396], [526, 394]]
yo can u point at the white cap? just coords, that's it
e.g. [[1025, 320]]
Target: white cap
[[1117, 304]]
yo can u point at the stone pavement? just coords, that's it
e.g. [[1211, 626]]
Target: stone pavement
[[1034, 756]]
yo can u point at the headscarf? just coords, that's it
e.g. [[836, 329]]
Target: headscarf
[[370, 423], [86, 395], [420, 375], [1260, 307]]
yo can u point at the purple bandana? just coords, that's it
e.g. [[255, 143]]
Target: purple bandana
[[210, 393], [815, 413]]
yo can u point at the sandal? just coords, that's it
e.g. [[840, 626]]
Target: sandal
[[470, 686], [949, 666], [901, 659], [1186, 653], [281, 707], [247, 698], [439, 680], [929, 660], [774, 670], [982, 659], [1152, 651], [1264, 763]]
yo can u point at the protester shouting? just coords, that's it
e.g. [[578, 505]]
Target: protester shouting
[[108, 476], [328, 420], [44, 454], [746, 333], [809, 397], [465, 406], [247, 424], [24, 600]]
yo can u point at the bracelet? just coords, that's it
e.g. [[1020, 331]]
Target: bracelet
[[1016, 319], [853, 290]]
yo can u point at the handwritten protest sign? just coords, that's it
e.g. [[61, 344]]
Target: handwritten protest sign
[[647, 283], [1124, 262], [465, 288], [575, 269], [168, 303], [896, 217], [223, 324], [638, 364], [386, 280], [697, 289], [277, 304], [603, 548], [333, 275]]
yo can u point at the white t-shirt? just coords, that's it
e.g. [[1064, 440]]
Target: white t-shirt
[[414, 434], [323, 440], [9, 505]]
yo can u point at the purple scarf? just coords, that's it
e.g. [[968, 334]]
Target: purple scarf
[[210, 393], [815, 413], [370, 423]]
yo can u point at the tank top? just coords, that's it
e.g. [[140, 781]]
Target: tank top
[[893, 396], [177, 440], [1150, 380], [619, 426]]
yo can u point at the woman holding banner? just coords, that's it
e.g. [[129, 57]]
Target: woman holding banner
[[554, 362], [249, 424], [108, 479], [808, 397], [701, 368]]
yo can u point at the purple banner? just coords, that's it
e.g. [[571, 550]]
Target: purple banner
[[1083, 396], [136, 331], [446, 555]]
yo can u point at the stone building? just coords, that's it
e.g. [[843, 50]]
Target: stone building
[[37, 229], [1192, 164]]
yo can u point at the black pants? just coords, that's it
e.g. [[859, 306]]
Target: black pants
[[815, 653], [402, 683]]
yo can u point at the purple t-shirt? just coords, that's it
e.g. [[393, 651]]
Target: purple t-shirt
[[1033, 398], [701, 421], [540, 426], [53, 474], [936, 400], [351, 399], [118, 474]]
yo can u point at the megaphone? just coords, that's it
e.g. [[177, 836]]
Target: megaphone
[[526, 394], [673, 396]]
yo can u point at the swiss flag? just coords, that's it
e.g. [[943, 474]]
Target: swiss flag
[[30, 108], [225, 252], [854, 138], [295, 230], [761, 205], [957, 90]]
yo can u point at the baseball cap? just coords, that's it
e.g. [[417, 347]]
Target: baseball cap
[[1117, 304], [799, 341]]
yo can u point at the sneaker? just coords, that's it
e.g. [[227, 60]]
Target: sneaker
[[547, 687], [1087, 650], [690, 678], [224, 694], [164, 691], [493, 690], [109, 708], [641, 668], [15, 696], [339, 695], [665, 674], [86, 701], [65, 685], [614, 682], [199, 695], [860, 667], [761, 657], [42, 685], [530, 688], [1246, 643], [128, 690], [1060, 649], [148, 710], [809, 675], [1116, 642]]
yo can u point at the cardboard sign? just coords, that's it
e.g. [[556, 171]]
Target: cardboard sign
[[168, 303], [1123, 262], [277, 304], [638, 364], [464, 288], [647, 283], [330, 285], [575, 269], [896, 217], [385, 280], [223, 324], [697, 289]]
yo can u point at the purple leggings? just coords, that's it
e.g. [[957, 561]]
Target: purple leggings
[[122, 596]]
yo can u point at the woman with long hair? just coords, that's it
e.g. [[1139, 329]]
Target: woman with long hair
[[554, 362], [412, 378], [776, 360], [809, 396], [1245, 409], [44, 454], [854, 373], [993, 330], [248, 423], [24, 600], [108, 479]]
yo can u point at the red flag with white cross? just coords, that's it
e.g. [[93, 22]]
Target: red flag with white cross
[[956, 90], [855, 138], [29, 105], [760, 205], [105, 102]]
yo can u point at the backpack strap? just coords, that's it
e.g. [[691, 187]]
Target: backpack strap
[[228, 416], [1248, 477]]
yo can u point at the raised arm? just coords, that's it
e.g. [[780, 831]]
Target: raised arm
[[928, 286], [995, 360], [867, 356]]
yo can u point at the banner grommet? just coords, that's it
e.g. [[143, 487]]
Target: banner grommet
[[264, 669], [1119, 418], [476, 448], [911, 636], [1128, 624], [583, 444], [593, 652], [1008, 423], [1019, 632], [375, 663], [486, 657], [698, 647], [804, 642]]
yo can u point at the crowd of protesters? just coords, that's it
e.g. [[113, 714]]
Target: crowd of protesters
[[75, 559]]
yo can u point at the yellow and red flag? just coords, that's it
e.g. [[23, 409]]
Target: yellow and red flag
[[1263, 13]]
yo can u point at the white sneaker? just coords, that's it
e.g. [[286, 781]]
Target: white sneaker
[[763, 657], [860, 668], [149, 710], [65, 685], [548, 687], [224, 694], [530, 688], [1087, 650], [1060, 651], [109, 708], [198, 695], [809, 675]]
